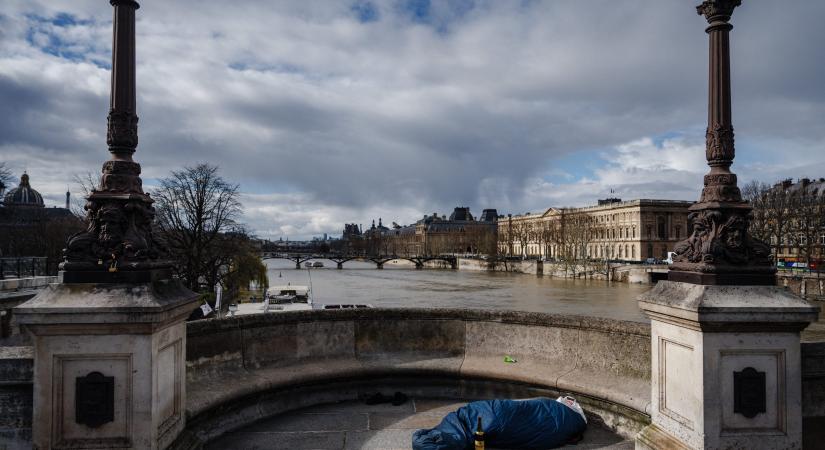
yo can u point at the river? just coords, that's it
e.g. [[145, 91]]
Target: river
[[400, 285]]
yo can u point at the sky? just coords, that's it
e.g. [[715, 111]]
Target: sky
[[332, 112]]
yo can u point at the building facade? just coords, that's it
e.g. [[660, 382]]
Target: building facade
[[29, 228], [460, 233], [790, 216], [613, 229]]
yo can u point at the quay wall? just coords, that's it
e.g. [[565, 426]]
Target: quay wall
[[249, 367], [625, 273]]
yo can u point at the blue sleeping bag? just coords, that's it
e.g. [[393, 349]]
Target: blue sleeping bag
[[525, 424]]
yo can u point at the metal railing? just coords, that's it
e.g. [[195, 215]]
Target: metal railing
[[26, 267]]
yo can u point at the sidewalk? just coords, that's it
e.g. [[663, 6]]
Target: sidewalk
[[354, 425]]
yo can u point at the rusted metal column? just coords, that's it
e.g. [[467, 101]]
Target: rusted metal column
[[720, 249]]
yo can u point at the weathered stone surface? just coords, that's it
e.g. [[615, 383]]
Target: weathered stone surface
[[325, 339], [702, 338], [387, 428], [380, 338], [813, 379], [729, 304], [151, 303]]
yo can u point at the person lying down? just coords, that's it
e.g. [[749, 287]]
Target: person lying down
[[538, 423]]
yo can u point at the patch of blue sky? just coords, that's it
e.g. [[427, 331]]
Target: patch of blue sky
[[365, 11], [441, 18], [417, 10], [576, 166], [68, 20], [40, 34]]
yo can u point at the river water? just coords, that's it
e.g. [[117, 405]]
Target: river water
[[400, 285]]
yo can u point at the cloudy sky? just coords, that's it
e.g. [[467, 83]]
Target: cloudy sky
[[328, 112]]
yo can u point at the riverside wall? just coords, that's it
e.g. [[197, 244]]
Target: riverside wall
[[625, 273], [278, 362]]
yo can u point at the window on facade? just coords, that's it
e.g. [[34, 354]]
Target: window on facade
[[650, 235], [634, 232], [678, 232], [662, 228], [822, 239], [633, 252], [649, 250]]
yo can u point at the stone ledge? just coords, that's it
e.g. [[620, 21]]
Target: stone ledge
[[321, 350]]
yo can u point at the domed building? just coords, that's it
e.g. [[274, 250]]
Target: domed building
[[23, 195], [28, 227]]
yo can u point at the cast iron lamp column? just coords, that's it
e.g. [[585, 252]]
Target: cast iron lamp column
[[720, 249], [118, 244]]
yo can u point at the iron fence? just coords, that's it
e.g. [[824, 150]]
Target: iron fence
[[25, 267]]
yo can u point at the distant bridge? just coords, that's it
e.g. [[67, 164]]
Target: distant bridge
[[339, 259]]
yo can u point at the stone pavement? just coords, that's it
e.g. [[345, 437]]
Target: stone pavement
[[355, 425]]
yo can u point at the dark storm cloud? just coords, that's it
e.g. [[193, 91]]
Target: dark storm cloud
[[331, 112]]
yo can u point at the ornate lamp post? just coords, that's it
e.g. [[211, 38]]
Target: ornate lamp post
[[725, 360], [110, 339], [118, 244], [720, 250]]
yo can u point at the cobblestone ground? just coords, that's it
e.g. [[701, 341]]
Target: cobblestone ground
[[354, 425]]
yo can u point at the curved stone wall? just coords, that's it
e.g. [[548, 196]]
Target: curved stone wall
[[249, 367]]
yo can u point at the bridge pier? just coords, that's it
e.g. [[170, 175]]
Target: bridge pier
[[419, 266], [380, 265], [298, 265], [339, 265]]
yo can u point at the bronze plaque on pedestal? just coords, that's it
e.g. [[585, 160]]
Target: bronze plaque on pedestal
[[94, 400]]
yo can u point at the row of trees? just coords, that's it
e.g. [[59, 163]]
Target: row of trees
[[570, 239], [790, 217]]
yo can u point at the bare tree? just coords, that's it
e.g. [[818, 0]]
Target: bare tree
[[808, 206], [197, 213], [778, 212], [5, 176], [756, 193]]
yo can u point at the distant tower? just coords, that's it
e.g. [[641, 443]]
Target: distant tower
[[68, 197]]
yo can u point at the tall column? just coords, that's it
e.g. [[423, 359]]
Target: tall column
[[118, 244], [725, 360], [110, 338], [720, 249]]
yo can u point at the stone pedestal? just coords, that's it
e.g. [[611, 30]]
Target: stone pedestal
[[726, 367], [109, 368]]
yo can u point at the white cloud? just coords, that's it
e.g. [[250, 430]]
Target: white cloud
[[405, 115]]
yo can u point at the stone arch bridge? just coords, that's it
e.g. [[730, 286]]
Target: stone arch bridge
[[340, 258]]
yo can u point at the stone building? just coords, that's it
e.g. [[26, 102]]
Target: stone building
[[436, 235], [28, 227], [613, 229]]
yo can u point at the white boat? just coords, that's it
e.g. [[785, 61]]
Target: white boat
[[308, 265], [317, 264], [342, 306], [288, 294]]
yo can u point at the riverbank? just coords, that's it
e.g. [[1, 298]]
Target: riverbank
[[614, 272]]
